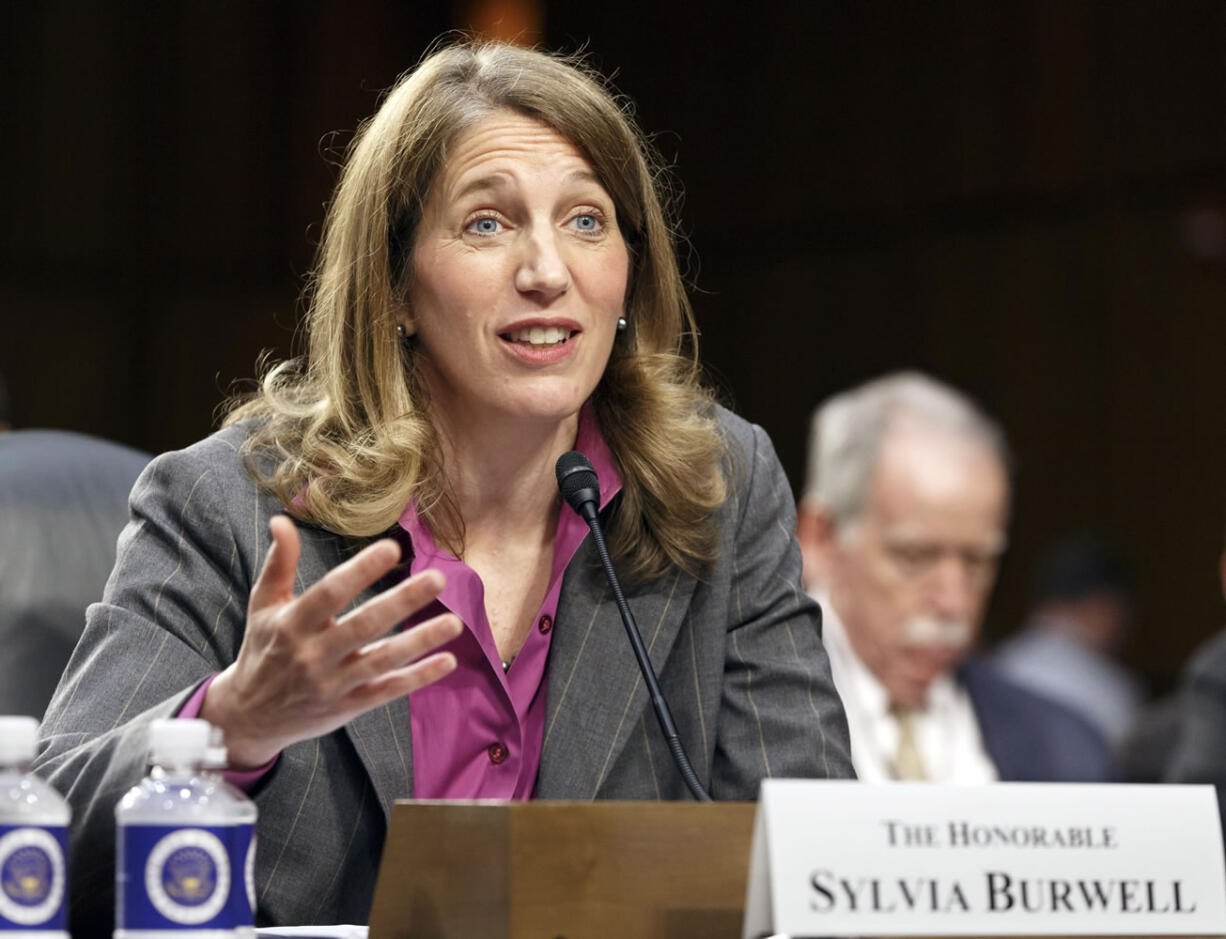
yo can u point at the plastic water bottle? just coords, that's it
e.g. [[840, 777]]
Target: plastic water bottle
[[243, 814], [33, 840], [174, 844]]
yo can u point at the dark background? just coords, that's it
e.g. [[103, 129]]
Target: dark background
[[1026, 199]]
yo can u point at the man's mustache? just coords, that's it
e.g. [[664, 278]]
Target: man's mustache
[[936, 631]]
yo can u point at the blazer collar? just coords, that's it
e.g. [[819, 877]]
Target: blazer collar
[[382, 737], [384, 745], [595, 692]]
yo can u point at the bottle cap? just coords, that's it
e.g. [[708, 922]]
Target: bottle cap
[[18, 739], [215, 755], [178, 742]]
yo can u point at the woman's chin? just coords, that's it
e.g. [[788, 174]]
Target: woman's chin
[[546, 402]]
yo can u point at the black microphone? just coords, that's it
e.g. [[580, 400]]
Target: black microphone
[[581, 490]]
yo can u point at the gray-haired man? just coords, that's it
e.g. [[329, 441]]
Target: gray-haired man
[[902, 526]]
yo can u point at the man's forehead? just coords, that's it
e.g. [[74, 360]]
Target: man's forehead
[[927, 479]]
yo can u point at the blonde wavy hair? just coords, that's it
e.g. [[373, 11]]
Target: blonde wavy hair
[[346, 439]]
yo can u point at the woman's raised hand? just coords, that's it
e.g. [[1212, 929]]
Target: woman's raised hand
[[304, 670]]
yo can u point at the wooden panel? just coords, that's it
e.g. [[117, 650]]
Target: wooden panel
[[653, 870], [658, 870], [444, 872]]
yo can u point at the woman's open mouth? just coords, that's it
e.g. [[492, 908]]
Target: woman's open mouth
[[539, 337]]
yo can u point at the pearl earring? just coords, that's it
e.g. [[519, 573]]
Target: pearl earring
[[621, 324]]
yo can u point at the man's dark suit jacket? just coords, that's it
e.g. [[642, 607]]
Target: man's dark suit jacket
[[1199, 754], [1031, 738]]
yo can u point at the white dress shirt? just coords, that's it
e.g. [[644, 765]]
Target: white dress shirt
[[946, 729]]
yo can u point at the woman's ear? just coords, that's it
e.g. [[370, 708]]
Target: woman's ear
[[406, 326]]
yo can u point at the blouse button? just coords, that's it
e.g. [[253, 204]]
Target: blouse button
[[544, 624], [497, 753]]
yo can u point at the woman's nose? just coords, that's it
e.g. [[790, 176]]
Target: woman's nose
[[542, 268]]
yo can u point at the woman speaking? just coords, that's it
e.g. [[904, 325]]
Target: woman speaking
[[368, 578]]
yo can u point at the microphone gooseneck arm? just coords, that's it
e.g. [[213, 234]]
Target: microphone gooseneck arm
[[580, 488]]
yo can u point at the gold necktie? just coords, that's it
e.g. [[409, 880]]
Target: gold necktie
[[908, 761]]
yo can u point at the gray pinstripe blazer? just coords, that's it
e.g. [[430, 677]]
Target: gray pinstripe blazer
[[739, 656]]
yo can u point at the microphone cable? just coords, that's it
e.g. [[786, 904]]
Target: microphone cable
[[581, 489]]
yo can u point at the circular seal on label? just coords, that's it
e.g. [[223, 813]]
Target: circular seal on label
[[187, 876], [31, 876], [250, 873]]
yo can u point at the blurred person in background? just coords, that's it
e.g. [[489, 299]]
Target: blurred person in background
[[1199, 754], [1081, 607], [63, 502], [902, 526]]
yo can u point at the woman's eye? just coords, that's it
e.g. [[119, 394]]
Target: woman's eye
[[486, 225], [586, 223]]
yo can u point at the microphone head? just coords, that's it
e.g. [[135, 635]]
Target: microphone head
[[577, 481]]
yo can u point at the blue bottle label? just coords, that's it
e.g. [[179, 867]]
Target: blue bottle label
[[33, 877], [242, 888], [174, 878]]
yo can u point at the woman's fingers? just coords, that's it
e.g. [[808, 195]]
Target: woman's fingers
[[386, 655], [381, 613], [301, 671], [327, 597], [401, 681], [276, 581]]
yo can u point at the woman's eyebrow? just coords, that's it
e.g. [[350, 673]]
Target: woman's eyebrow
[[581, 176], [492, 182]]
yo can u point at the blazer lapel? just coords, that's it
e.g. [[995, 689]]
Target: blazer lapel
[[382, 737], [384, 745], [595, 691]]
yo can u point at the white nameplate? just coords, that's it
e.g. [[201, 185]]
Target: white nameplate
[[919, 859]]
